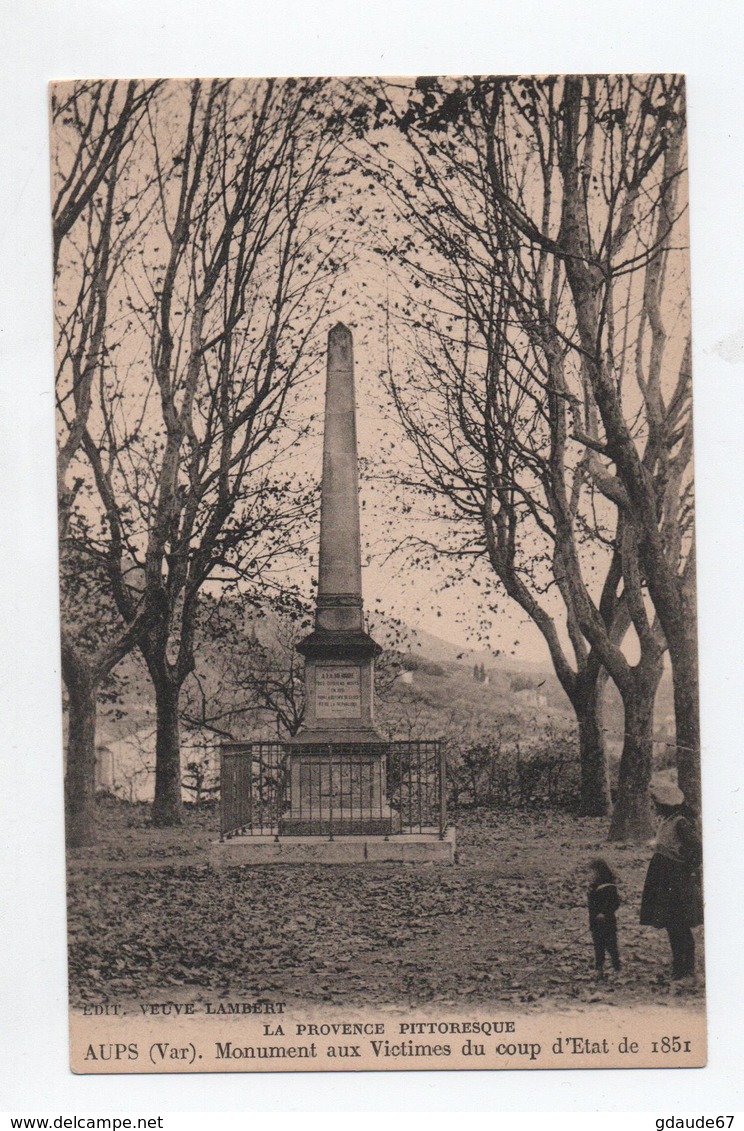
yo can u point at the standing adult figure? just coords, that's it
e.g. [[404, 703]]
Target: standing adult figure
[[672, 894]]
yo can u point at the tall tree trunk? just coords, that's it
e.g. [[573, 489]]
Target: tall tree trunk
[[167, 808], [83, 677], [675, 608], [687, 717], [632, 818], [80, 778], [681, 633], [588, 703]]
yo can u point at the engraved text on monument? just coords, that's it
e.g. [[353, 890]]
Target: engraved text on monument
[[338, 692]]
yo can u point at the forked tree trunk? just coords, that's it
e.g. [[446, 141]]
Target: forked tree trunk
[[667, 589], [588, 703], [677, 616], [632, 817], [80, 777], [167, 808]]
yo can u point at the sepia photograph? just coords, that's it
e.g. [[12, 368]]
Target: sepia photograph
[[377, 568]]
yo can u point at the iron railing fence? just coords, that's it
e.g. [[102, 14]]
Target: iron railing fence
[[385, 789], [253, 788]]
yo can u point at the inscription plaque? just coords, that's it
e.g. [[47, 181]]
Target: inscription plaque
[[338, 692]]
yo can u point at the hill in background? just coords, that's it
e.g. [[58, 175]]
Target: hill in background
[[433, 684]]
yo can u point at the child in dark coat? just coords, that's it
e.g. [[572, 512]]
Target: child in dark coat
[[603, 902]]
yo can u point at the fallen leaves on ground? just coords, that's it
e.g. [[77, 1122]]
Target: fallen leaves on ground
[[148, 917]]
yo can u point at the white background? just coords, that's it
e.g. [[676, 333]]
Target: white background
[[46, 39]]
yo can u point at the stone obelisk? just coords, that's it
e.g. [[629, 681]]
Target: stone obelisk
[[338, 773], [339, 601], [339, 654]]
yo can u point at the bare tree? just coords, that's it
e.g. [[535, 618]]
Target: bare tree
[[187, 454], [95, 124], [274, 676], [514, 441], [254, 678], [644, 207], [95, 129]]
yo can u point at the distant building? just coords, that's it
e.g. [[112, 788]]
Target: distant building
[[125, 767], [531, 697]]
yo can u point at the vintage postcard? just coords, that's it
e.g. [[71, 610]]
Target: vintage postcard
[[377, 566]]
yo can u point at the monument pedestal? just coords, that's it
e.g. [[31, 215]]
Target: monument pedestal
[[338, 771], [338, 791]]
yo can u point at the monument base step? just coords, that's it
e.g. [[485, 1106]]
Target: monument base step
[[412, 848]]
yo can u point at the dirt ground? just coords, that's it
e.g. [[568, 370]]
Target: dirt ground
[[148, 917]]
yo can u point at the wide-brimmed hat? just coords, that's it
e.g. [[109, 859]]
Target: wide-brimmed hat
[[665, 792]]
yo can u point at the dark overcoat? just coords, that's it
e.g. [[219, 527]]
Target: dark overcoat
[[672, 893]]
